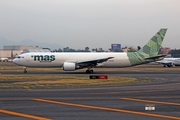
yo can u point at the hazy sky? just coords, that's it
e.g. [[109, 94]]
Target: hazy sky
[[93, 23]]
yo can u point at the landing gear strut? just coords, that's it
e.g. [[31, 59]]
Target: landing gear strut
[[25, 71]]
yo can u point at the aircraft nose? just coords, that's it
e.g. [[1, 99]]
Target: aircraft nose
[[15, 60]]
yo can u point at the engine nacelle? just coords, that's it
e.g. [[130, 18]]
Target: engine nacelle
[[69, 66], [170, 64]]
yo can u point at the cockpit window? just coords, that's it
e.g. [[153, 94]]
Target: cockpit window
[[18, 57]]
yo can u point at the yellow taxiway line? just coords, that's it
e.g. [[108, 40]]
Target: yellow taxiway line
[[108, 109], [151, 101], [23, 115]]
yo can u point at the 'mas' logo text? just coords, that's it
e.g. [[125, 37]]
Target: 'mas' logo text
[[43, 57]]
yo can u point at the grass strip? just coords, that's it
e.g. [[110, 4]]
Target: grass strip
[[44, 82]]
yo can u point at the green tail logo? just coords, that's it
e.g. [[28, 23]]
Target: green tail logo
[[149, 50]]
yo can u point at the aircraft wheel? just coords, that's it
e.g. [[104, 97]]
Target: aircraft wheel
[[91, 71], [25, 71], [87, 71]]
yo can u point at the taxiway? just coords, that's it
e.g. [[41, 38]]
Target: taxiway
[[117, 102]]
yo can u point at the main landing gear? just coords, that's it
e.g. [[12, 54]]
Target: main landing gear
[[25, 71], [89, 70]]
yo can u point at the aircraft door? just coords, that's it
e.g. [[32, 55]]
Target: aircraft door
[[28, 58]]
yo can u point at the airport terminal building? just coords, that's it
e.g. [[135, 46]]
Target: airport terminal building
[[10, 51]]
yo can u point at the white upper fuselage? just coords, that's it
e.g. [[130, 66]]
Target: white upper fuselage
[[28, 60]]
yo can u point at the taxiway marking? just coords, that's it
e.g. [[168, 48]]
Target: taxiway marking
[[151, 101], [107, 109], [23, 115]]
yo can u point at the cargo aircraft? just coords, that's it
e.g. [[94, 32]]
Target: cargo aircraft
[[74, 61]]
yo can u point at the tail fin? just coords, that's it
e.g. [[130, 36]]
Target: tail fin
[[153, 45], [151, 49]]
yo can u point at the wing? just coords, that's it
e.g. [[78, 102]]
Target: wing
[[92, 63]]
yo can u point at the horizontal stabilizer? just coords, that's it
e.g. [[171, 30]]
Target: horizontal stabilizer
[[155, 58]]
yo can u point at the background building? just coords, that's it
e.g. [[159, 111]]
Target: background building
[[11, 51], [18, 47], [164, 50], [115, 47]]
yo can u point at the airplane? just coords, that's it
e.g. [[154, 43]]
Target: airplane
[[73, 61], [169, 62]]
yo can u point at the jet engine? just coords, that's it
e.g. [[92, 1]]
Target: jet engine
[[169, 64], [69, 66]]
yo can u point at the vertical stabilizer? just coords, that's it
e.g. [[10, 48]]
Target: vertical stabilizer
[[149, 50], [153, 45]]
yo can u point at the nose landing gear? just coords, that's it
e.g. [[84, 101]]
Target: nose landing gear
[[25, 71]]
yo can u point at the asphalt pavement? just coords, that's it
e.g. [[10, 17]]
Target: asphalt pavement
[[157, 100]]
